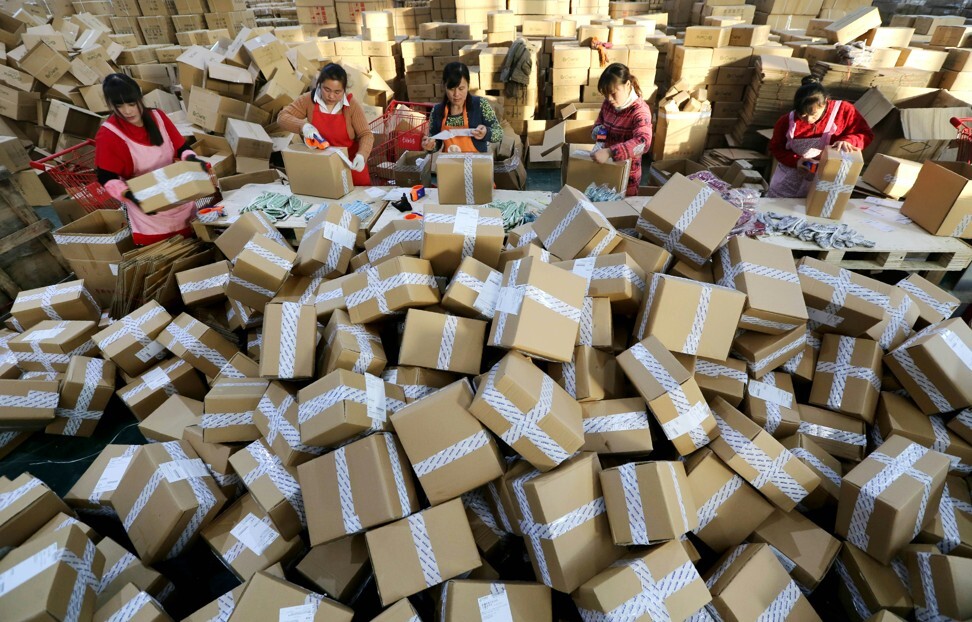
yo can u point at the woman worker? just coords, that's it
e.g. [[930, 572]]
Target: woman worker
[[624, 123], [135, 140], [328, 113], [459, 110], [799, 137]]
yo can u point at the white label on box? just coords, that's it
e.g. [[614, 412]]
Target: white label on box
[[178, 470], [28, 569], [300, 613], [955, 343], [111, 476], [822, 317], [114, 269], [149, 352], [254, 533], [375, 389], [155, 379], [584, 268], [769, 393], [510, 300], [466, 220], [495, 608], [339, 235], [43, 335], [487, 298]]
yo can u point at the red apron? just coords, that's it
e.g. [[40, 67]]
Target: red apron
[[459, 144], [334, 129]]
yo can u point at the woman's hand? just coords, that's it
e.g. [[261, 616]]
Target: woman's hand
[[601, 156], [845, 147], [310, 132], [479, 133], [428, 143], [358, 164]]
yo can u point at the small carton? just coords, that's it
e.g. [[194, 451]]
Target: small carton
[[130, 343], [572, 226], [899, 322], [461, 457], [880, 519], [49, 345], [276, 418], [353, 347], [338, 568], [621, 588], [343, 405], [689, 316], [707, 36], [259, 271], [827, 468], [171, 186], [265, 596], [28, 404], [204, 285], [853, 25], [454, 233], [938, 201], [758, 458], [616, 277], [939, 589], [245, 540], [216, 456], [197, 344], [413, 168], [727, 379], [847, 376], [473, 290], [289, 335], [832, 186], [833, 311], [87, 386], [616, 427], [64, 301], [147, 392], [898, 416], [764, 353], [163, 515], [362, 485], [92, 492], [647, 502], [591, 375], [671, 393], [392, 286], [809, 549], [418, 382], [507, 402], [29, 504], [130, 599], [328, 243], [771, 403], [891, 176], [934, 366], [315, 173], [466, 600], [273, 486], [228, 410], [123, 568], [538, 310], [867, 585], [465, 179], [399, 238], [444, 342], [582, 171], [934, 304], [231, 241], [422, 551], [704, 219]]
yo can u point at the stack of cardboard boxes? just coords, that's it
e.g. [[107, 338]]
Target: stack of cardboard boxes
[[786, 14], [317, 18], [769, 96]]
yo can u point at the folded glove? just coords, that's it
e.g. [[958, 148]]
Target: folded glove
[[358, 164], [309, 131]]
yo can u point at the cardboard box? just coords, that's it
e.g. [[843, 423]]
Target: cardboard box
[[13, 155], [839, 435], [465, 179], [572, 226], [265, 596], [706, 36], [248, 141], [147, 392], [750, 451], [379, 291], [464, 600], [447, 343], [93, 490], [259, 271], [405, 564], [853, 25], [898, 416], [831, 311], [273, 486], [318, 173], [229, 408], [942, 188], [941, 590], [453, 233], [868, 585], [835, 178], [289, 332], [68, 119], [169, 421], [582, 171], [64, 301], [749, 34], [32, 504], [178, 504], [87, 386], [771, 403], [352, 347], [276, 418], [514, 388], [847, 376], [171, 186], [827, 468], [893, 177], [933, 366], [131, 344], [591, 374], [232, 241], [727, 379], [45, 63], [204, 285], [338, 569], [417, 382], [882, 520], [183, 337], [398, 238], [129, 599], [473, 290], [408, 172], [342, 405], [49, 345], [462, 457], [647, 502], [616, 426]]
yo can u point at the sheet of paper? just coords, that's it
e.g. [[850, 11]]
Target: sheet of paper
[[456, 133]]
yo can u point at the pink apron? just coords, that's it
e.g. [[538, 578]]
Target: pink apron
[[789, 181], [145, 159]]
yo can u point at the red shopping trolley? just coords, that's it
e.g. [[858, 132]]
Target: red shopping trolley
[[964, 139], [74, 170], [400, 129]]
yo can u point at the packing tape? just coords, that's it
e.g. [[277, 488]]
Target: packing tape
[[376, 288], [466, 222], [962, 225], [267, 255], [730, 272], [642, 329], [39, 562], [782, 605], [774, 416], [678, 496], [225, 605], [289, 319], [832, 434], [270, 465], [9, 498], [843, 286], [525, 239], [398, 474], [525, 424], [205, 498], [510, 302], [901, 465], [857, 599], [214, 421], [618, 271], [903, 358], [712, 369], [319, 403], [724, 566], [836, 187], [633, 504], [568, 372], [94, 371], [500, 509], [586, 323], [951, 539], [447, 343], [769, 470], [364, 338], [694, 337], [33, 399], [154, 379], [342, 239], [475, 501], [333, 294], [349, 516], [111, 574], [930, 611], [423, 547], [468, 182], [761, 365], [841, 369], [253, 287], [672, 240], [166, 186], [381, 250], [651, 599], [617, 422], [897, 324], [817, 464], [709, 510], [450, 454], [130, 609], [47, 295], [218, 282], [193, 345], [944, 309], [690, 416], [112, 238], [943, 442], [580, 207]]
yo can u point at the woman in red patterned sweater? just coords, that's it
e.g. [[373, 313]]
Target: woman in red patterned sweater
[[624, 123]]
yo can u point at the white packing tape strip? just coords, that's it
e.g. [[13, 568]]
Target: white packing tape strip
[[841, 369], [289, 320], [270, 465], [9, 498], [816, 463], [713, 369], [452, 453], [377, 288], [633, 503], [843, 286], [423, 547], [694, 338], [672, 240], [832, 434], [218, 282], [944, 309], [651, 599], [94, 371], [836, 187], [93, 238], [709, 510], [166, 186], [690, 416], [617, 422], [447, 342]]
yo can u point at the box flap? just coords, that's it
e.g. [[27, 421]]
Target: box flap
[[873, 106]]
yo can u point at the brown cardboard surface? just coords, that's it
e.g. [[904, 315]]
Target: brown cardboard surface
[[467, 600], [352, 347], [771, 403], [853, 391], [337, 568], [123, 348], [453, 233], [328, 422], [893, 176], [328, 242], [856, 315], [168, 421], [266, 595], [586, 232], [317, 173], [835, 178], [667, 505], [808, 451], [68, 301], [289, 332], [171, 186], [944, 189], [363, 291], [465, 179], [939, 353], [811, 548]]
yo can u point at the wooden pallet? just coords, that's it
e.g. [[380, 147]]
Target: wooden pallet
[[29, 257]]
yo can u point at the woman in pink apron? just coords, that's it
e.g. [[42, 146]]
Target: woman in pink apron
[[799, 137], [133, 141]]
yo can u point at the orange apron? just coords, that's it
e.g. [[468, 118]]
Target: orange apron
[[458, 144]]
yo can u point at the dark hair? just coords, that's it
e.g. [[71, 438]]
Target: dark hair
[[452, 76], [614, 75], [810, 96], [119, 89], [332, 71]]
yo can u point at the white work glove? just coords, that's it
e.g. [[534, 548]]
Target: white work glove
[[309, 131], [358, 164]]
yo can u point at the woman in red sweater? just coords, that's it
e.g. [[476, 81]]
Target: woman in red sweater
[[135, 140], [799, 137], [624, 123]]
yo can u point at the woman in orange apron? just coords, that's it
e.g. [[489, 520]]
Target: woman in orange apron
[[461, 111], [329, 114]]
